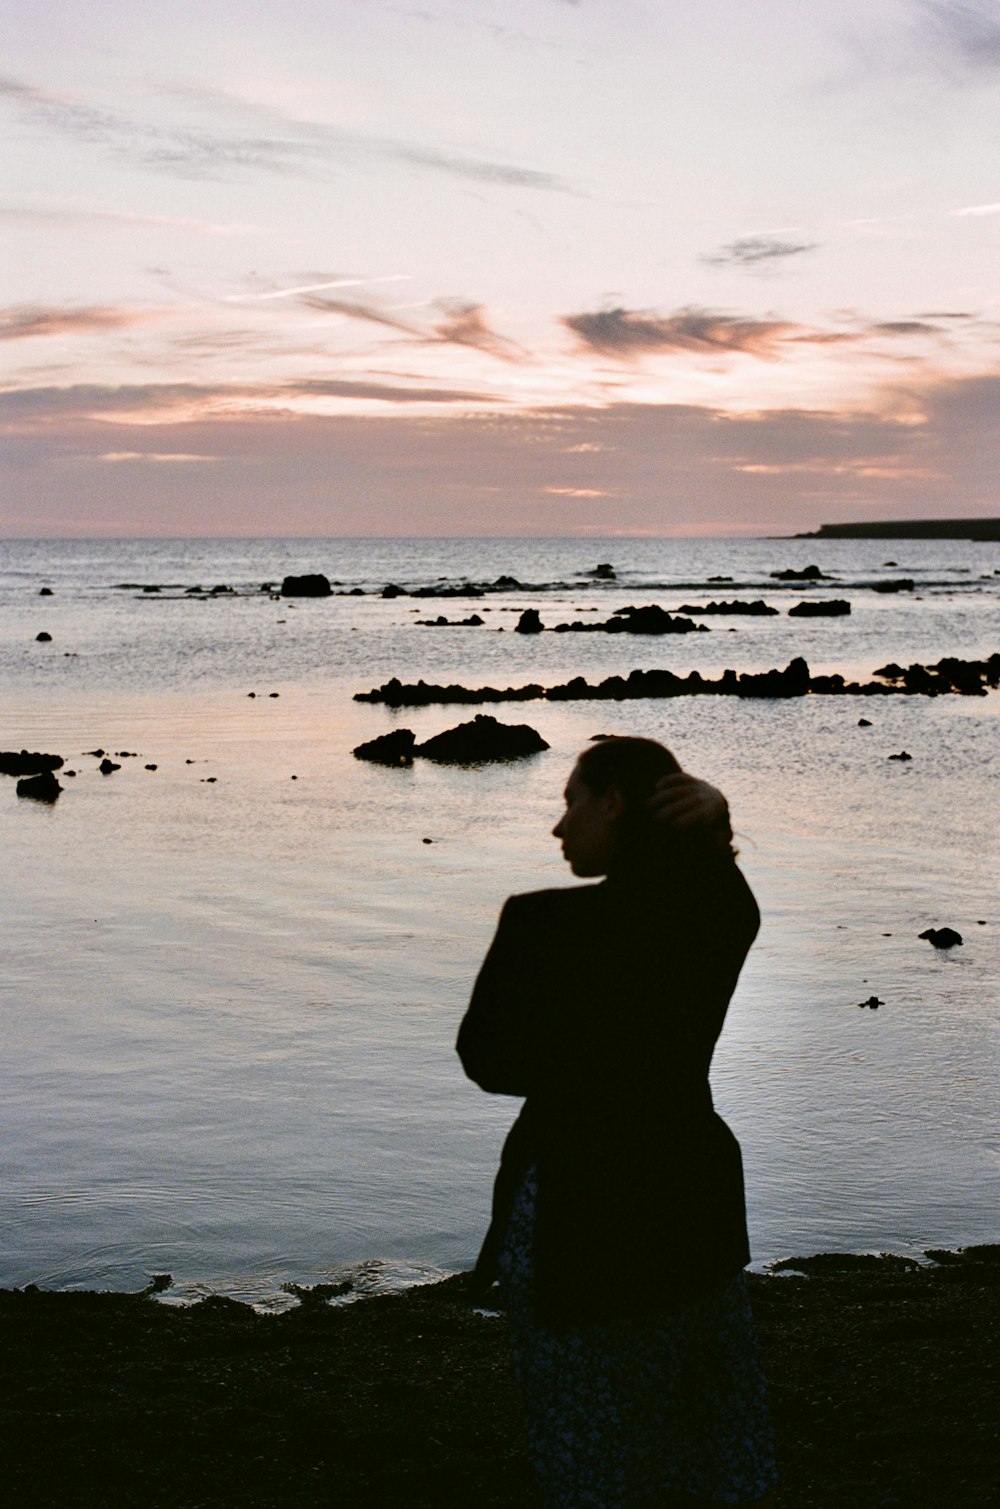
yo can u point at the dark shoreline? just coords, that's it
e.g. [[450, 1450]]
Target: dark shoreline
[[883, 1373], [906, 529]]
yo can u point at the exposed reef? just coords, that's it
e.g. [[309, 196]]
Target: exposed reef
[[835, 607], [27, 763], [969, 678], [483, 739], [40, 788], [756, 609], [313, 585], [472, 622]]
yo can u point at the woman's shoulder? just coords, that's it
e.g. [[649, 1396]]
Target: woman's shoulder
[[568, 901]]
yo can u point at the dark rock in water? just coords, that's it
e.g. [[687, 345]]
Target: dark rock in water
[[793, 681], [391, 590], [43, 638], [483, 739], [45, 591], [834, 607], [873, 1003], [530, 622], [107, 766], [151, 589], [26, 763], [901, 756], [756, 609], [961, 677], [395, 748], [942, 937], [864, 723], [650, 619], [604, 572], [150, 767], [807, 574], [902, 584], [472, 622], [223, 591], [315, 585], [507, 582], [41, 788], [467, 591]]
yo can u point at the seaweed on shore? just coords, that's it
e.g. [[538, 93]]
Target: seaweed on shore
[[882, 1377]]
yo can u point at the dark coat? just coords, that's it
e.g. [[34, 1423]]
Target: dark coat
[[601, 1005]]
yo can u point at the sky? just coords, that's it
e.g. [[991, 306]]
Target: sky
[[538, 267]]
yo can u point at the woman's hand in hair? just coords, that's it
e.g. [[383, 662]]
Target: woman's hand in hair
[[684, 804]]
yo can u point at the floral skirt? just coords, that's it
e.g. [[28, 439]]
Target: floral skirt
[[623, 1413]]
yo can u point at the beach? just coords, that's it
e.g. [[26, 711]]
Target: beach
[[883, 1377]]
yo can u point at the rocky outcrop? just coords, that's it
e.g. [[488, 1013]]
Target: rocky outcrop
[[835, 607], [395, 748], [970, 678], [631, 620], [472, 622], [26, 763], [313, 585], [965, 678], [942, 937], [40, 788], [530, 622], [900, 584], [485, 738], [806, 574], [756, 609]]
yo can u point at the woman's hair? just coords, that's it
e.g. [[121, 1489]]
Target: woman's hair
[[632, 767]]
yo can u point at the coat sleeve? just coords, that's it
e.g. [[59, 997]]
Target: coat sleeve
[[494, 1040]]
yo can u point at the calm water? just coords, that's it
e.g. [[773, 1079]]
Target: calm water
[[230, 997]]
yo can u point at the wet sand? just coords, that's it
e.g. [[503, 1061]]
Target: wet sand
[[884, 1379]]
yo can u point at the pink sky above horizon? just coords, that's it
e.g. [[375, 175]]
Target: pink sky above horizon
[[454, 268]]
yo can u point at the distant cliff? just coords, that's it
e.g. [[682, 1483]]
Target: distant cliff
[[909, 529]]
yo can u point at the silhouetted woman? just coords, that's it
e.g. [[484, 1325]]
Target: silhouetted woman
[[619, 1229]]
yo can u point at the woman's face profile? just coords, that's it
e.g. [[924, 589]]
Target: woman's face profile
[[588, 829]]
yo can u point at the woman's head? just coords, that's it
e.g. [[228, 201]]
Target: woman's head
[[607, 825]]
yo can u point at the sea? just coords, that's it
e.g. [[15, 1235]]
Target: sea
[[234, 966]]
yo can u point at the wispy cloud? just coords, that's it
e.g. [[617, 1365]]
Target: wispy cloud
[[757, 252], [626, 333], [978, 209], [968, 30], [30, 320], [169, 457], [76, 215], [464, 324], [95, 401], [285, 145], [373, 314]]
